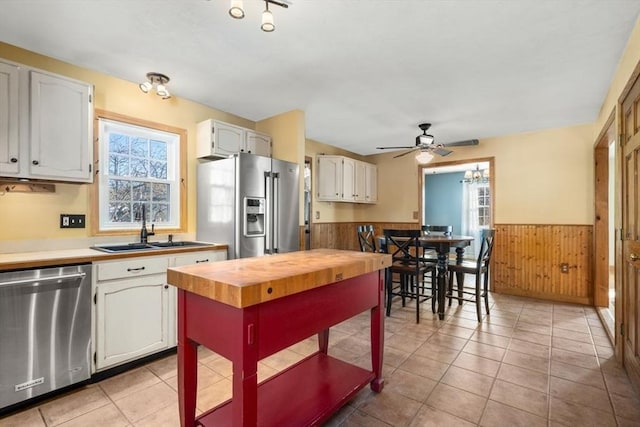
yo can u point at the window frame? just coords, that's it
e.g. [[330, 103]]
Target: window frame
[[96, 207]]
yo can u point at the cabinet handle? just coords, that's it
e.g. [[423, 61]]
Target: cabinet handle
[[135, 269], [35, 162], [201, 260], [634, 257], [14, 160], [166, 286]]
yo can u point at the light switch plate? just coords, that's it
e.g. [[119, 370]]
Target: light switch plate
[[72, 221]]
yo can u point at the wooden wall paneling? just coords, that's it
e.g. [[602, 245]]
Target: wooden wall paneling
[[527, 261]]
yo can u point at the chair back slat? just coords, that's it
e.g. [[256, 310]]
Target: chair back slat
[[366, 238]]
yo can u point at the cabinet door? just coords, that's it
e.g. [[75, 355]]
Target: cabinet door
[[360, 182], [60, 128], [9, 106], [257, 143], [348, 179], [227, 139], [329, 178], [371, 183], [131, 319]]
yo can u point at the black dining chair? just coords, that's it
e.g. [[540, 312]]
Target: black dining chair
[[479, 268], [366, 238], [407, 265]]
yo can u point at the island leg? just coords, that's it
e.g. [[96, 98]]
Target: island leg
[[187, 368], [323, 341], [377, 337]]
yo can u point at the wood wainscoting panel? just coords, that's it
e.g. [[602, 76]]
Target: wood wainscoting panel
[[343, 235], [528, 259]]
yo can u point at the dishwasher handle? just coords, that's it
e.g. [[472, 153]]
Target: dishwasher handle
[[44, 280]]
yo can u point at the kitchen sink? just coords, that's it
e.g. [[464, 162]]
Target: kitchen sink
[[124, 247], [146, 246], [176, 244]]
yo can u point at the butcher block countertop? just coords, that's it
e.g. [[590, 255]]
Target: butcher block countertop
[[249, 281], [23, 260]]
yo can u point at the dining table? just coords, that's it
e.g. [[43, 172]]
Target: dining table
[[443, 244]]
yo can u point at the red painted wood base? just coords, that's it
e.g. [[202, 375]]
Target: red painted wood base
[[320, 384]]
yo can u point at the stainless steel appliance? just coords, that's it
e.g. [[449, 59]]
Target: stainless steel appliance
[[249, 202], [45, 330]]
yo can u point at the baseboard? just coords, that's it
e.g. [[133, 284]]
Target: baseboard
[[544, 296]]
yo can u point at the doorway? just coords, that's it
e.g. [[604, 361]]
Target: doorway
[[459, 194], [604, 293]]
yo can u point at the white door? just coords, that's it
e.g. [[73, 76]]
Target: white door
[[348, 179], [258, 143], [228, 139], [329, 178]]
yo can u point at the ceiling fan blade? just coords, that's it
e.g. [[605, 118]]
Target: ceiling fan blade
[[462, 143], [405, 153], [442, 151], [394, 148]]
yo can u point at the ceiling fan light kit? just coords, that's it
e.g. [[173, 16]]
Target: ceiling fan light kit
[[427, 146]]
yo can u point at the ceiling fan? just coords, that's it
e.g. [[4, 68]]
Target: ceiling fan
[[425, 143]]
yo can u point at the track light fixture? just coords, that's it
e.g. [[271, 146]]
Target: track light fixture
[[159, 81], [236, 10]]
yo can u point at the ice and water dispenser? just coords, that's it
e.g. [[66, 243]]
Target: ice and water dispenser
[[254, 208]]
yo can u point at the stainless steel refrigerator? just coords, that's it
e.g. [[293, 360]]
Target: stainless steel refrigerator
[[249, 202]]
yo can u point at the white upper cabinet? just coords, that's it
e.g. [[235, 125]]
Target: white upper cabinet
[[46, 127], [342, 179], [219, 139], [60, 133], [9, 143], [371, 183]]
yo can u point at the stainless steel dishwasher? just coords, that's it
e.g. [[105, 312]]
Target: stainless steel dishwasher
[[45, 330]]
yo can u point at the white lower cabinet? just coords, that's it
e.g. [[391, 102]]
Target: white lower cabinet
[[180, 260], [134, 307]]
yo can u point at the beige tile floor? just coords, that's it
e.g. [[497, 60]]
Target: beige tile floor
[[529, 363]]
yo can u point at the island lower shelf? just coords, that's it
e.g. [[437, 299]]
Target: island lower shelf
[[319, 385]]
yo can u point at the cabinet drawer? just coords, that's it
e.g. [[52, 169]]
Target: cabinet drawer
[[141, 266], [199, 257]]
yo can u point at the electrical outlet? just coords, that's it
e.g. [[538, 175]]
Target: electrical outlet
[[72, 221], [564, 267], [317, 214]]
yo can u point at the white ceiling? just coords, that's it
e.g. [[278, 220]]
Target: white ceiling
[[366, 72]]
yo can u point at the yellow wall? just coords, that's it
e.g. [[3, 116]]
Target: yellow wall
[[543, 177], [36, 216]]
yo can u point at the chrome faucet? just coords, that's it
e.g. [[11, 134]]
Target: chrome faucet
[[143, 232]]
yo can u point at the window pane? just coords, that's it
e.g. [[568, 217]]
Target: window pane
[[141, 191], [158, 170], [160, 212], [158, 150], [139, 147], [119, 190], [139, 168], [119, 212], [118, 143], [160, 192], [118, 165]]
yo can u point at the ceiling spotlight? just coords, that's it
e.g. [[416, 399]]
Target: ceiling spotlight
[[235, 10], [159, 81], [267, 20]]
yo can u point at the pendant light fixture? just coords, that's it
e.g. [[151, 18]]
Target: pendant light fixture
[[267, 20], [236, 11]]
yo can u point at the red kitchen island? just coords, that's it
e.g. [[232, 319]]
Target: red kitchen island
[[248, 309]]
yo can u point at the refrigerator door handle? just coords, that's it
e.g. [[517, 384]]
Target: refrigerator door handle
[[276, 214], [268, 223]]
